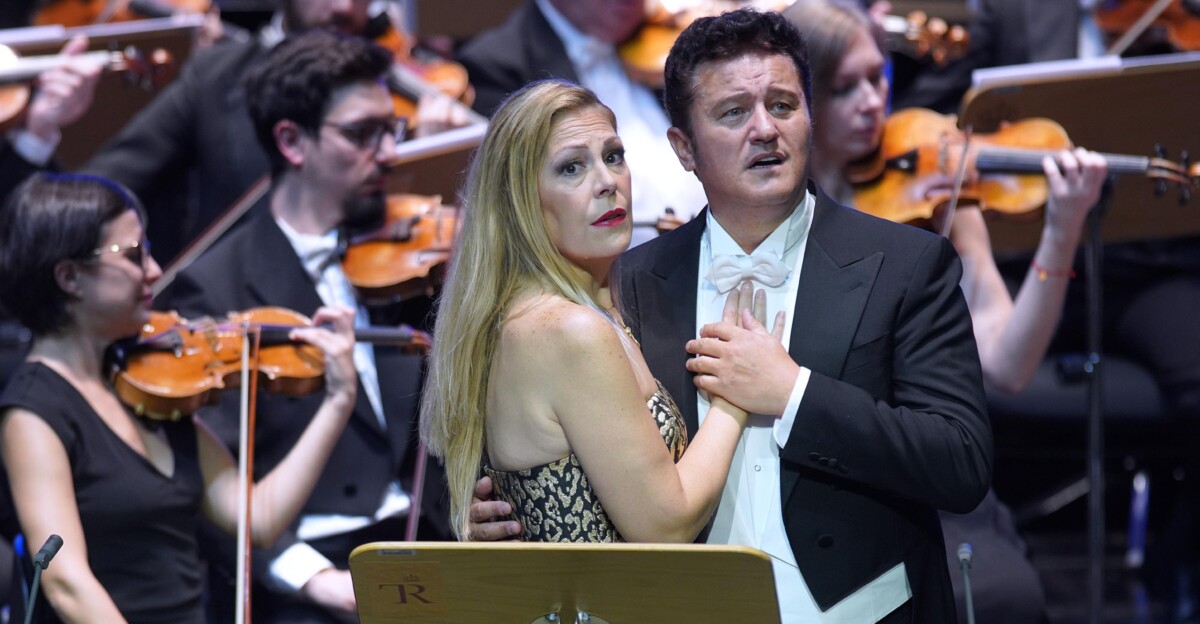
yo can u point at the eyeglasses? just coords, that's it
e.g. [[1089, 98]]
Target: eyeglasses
[[369, 133], [137, 252]]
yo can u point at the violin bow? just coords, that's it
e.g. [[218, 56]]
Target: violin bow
[[213, 233], [1138, 27], [249, 392], [959, 176]]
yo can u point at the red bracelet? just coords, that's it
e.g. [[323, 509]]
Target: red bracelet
[[1043, 272]]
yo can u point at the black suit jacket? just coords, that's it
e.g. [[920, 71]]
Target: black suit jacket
[[892, 425], [192, 151], [256, 266], [523, 49]]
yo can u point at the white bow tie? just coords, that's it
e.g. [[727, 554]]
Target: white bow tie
[[728, 271]]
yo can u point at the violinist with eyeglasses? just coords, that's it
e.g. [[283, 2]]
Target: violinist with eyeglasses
[[126, 494], [327, 125]]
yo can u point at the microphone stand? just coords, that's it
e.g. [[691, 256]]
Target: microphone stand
[[40, 562], [964, 563]]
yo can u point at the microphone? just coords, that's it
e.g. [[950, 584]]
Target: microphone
[[40, 561], [964, 563], [49, 549]]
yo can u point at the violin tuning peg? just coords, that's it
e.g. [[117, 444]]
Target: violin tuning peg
[[1185, 195], [1159, 150], [1160, 188]]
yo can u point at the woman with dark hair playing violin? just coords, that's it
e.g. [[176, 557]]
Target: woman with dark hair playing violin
[[125, 494]]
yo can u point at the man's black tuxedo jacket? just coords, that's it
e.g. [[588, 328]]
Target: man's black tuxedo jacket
[[256, 266], [892, 425], [522, 49]]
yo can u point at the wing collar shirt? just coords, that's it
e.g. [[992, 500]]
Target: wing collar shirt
[[750, 512], [659, 181], [300, 562]]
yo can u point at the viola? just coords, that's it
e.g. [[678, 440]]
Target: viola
[[407, 256], [17, 74], [905, 180], [175, 367], [83, 12]]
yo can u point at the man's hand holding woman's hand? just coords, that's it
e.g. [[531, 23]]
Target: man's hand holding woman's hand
[[740, 360]]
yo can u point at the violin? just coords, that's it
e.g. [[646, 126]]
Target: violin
[[1179, 20], [905, 179], [644, 55], [17, 74], [921, 37], [174, 367], [83, 12], [407, 256], [414, 75]]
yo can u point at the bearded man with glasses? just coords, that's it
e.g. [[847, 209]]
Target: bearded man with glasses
[[327, 125]]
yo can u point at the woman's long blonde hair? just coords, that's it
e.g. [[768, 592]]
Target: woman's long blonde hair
[[503, 247]]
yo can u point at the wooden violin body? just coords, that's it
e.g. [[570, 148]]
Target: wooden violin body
[[909, 179], [176, 367], [84, 12], [406, 257]]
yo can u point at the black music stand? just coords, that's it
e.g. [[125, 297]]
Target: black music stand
[[1095, 101], [114, 102]]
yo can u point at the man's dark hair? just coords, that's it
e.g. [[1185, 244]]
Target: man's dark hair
[[728, 36], [298, 78], [49, 218]]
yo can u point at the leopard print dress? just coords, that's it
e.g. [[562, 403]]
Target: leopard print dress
[[555, 503]]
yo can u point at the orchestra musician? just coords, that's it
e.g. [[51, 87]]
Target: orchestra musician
[[850, 94], [327, 126], [196, 136], [126, 494], [576, 41]]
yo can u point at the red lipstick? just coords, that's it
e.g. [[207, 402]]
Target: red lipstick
[[613, 217]]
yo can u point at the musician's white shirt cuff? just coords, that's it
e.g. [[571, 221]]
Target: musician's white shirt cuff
[[783, 426], [296, 566], [32, 147]]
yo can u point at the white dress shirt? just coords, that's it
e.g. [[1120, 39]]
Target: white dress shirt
[[300, 562], [659, 181], [750, 512]]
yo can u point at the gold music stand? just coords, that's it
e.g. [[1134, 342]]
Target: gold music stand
[[534, 583]]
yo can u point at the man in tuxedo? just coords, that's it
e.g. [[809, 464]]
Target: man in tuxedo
[[878, 382], [577, 41], [327, 126]]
